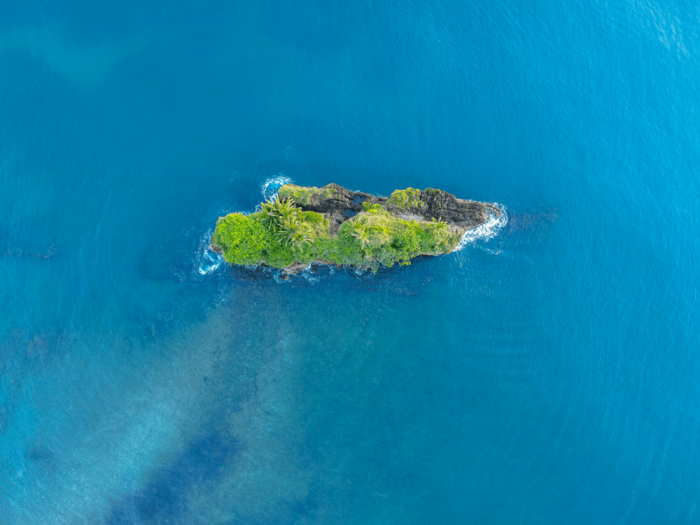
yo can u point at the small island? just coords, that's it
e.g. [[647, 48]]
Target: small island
[[333, 225]]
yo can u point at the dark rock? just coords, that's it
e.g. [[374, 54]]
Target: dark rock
[[295, 267], [437, 204]]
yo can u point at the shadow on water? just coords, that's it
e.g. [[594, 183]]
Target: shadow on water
[[164, 498]]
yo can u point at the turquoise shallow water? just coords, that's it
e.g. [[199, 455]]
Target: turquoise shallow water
[[546, 373]]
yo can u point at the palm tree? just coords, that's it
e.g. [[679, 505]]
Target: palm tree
[[268, 219], [439, 224], [347, 230], [285, 209], [279, 214], [294, 234], [362, 235]]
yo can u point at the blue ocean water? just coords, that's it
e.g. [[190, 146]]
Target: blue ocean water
[[545, 374]]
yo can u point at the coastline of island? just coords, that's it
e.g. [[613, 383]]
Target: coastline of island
[[332, 225]]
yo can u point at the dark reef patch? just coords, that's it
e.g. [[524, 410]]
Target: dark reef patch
[[164, 499]]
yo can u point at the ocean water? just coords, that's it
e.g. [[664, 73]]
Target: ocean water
[[546, 373]]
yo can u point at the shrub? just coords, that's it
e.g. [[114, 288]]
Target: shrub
[[241, 238], [328, 193], [372, 208], [299, 194], [408, 198]]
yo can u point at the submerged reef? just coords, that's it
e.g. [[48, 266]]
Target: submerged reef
[[333, 225]]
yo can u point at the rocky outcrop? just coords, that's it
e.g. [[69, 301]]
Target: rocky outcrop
[[339, 204], [334, 225]]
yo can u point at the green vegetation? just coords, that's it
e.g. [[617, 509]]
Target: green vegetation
[[408, 198], [328, 192], [242, 238], [372, 208], [303, 195], [378, 237], [281, 234]]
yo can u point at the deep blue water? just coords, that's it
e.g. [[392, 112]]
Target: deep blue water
[[546, 374]]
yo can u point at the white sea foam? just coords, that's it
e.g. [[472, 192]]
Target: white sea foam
[[207, 261], [271, 186], [309, 276], [276, 274], [485, 231]]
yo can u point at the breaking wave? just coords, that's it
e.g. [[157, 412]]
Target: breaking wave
[[207, 261], [271, 186], [485, 231]]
